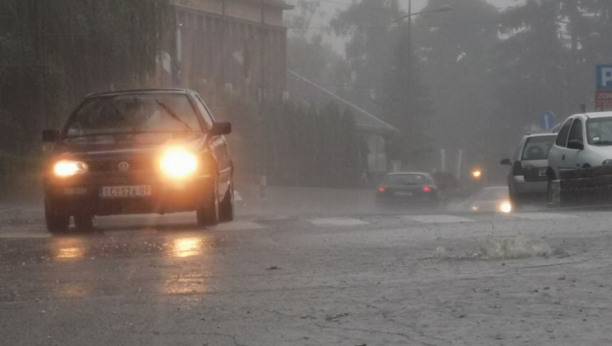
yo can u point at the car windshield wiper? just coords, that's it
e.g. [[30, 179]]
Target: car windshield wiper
[[173, 115], [603, 143]]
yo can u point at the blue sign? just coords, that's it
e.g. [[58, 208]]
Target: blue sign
[[547, 121], [604, 77]]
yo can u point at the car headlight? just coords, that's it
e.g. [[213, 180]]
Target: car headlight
[[69, 168], [179, 163], [607, 163], [505, 207]]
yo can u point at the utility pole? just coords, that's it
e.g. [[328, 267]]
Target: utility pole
[[223, 52], [262, 87], [263, 162], [408, 56]]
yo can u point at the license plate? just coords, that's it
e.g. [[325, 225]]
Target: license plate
[[125, 191], [542, 172], [404, 194]]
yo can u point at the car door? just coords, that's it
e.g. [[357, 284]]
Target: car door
[[558, 153], [573, 156]]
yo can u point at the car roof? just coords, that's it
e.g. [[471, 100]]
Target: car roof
[[593, 115], [141, 91]]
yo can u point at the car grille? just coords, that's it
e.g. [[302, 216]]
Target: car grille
[[113, 166]]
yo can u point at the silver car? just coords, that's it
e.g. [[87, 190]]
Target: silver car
[[527, 178], [585, 140]]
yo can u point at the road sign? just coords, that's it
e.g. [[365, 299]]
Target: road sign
[[547, 121], [604, 77], [603, 100], [603, 96]]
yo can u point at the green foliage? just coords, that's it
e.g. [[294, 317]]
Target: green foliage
[[406, 103], [294, 144], [366, 24], [457, 49], [54, 52]]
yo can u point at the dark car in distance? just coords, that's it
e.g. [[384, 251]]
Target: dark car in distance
[[408, 187], [527, 179], [138, 152]]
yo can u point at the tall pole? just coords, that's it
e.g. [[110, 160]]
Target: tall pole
[[408, 52], [262, 86], [223, 53], [263, 162]]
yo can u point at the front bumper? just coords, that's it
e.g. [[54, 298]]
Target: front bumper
[[167, 196], [523, 187]]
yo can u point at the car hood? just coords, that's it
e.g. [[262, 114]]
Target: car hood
[[109, 145]]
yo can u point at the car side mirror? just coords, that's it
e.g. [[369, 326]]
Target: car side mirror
[[50, 136], [505, 162], [221, 128], [575, 144]]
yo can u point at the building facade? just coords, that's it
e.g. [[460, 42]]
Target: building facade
[[238, 45]]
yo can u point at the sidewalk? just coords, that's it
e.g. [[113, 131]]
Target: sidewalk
[[20, 211]]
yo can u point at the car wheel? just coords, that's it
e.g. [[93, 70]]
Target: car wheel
[[207, 212], [57, 220], [83, 222]]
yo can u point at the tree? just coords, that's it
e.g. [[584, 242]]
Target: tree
[[531, 67], [456, 50], [405, 102], [52, 53], [366, 24]]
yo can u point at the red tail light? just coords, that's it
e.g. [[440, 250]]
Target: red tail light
[[427, 189], [381, 189]]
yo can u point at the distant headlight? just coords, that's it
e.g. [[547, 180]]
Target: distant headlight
[[179, 163], [69, 168], [505, 207], [607, 163]]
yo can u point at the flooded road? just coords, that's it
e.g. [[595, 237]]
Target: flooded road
[[388, 278]]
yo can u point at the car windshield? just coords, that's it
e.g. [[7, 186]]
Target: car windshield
[[537, 148], [134, 113], [407, 179], [599, 131]]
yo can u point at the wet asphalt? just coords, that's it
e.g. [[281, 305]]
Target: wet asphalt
[[393, 277]]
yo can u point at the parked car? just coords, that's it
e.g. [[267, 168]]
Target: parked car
[[138, 151], [408, 187], [527, 177], [584, 141]]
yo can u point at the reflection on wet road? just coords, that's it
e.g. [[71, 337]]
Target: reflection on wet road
[[67, 248], [312, 280], [187, 246]]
